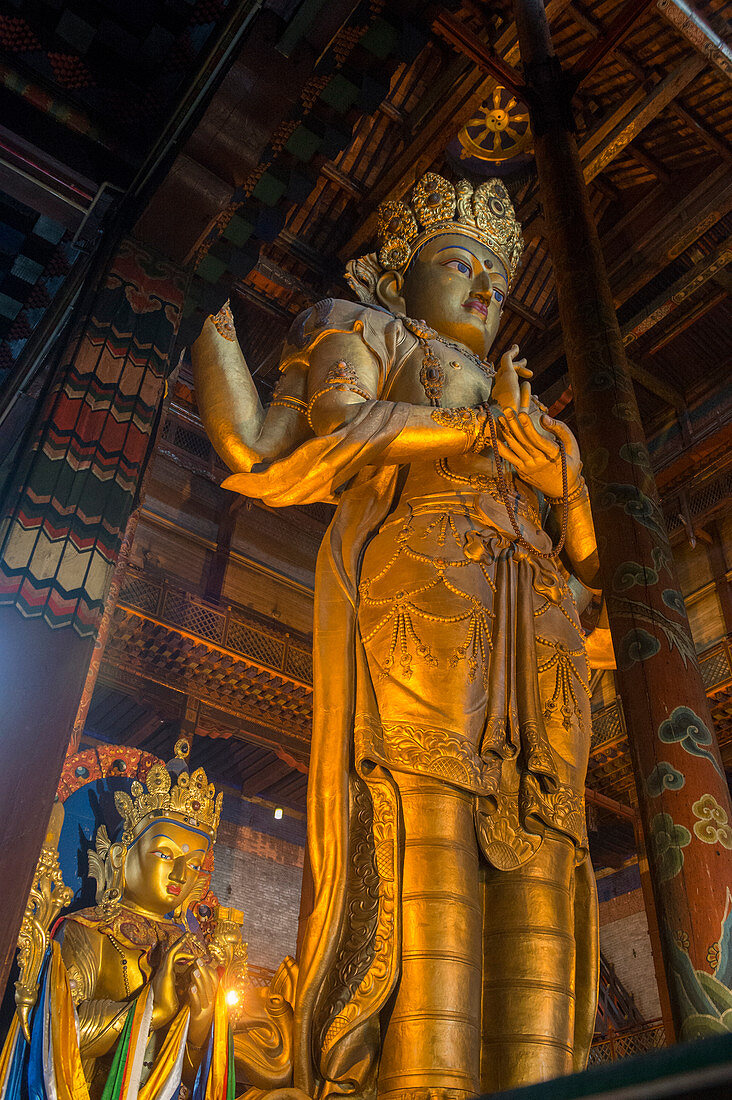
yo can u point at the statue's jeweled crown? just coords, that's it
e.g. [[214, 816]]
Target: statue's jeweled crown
[[484, 212], [191, 797]]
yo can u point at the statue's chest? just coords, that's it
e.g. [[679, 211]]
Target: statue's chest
[[444, 374], [124, 969]]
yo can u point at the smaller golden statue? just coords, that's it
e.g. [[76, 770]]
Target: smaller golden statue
[[130, 998]]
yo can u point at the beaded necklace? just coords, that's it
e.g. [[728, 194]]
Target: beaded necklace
[[431, 374]]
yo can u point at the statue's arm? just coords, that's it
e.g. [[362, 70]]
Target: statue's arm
[[344, 374], [580, 545], [101, 1020], [225, 393]]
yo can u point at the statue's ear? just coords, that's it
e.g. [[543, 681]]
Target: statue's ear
[[389, 292], [117, 855]]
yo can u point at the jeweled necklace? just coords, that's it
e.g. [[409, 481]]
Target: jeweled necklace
[[432, 374]]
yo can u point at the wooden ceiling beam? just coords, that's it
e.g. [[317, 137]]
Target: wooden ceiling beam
[[619, 809], [526, 314], [265, 777], [617, 31], [657, 386], [691, 118], [480, 53], [640, 374], [698, 33], [689, 318], [142, 729], [671, 298], [678, 106], [643, 113], [650, 162], [666, 237]]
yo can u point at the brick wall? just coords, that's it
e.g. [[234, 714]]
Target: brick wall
[[258, 869], [624, 941]]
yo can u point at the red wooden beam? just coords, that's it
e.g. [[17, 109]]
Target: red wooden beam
[[459, 35], [619, 28]]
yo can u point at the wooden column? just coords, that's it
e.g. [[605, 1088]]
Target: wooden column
[[683, 797], [64, 518]]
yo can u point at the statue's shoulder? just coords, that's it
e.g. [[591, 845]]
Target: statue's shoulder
[[84, 924], [337, 315]]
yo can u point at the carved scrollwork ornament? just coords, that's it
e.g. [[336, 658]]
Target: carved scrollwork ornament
[[106, 866], [48, 896]]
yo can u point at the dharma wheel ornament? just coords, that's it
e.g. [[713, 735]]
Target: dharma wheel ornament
[[499, 131]]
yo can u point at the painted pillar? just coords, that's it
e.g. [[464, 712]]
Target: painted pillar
[[64, 519], [682, 793]]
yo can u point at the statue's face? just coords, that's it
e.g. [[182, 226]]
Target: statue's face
[[163, 866], [458, 286]]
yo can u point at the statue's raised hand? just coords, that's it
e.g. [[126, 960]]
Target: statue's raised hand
[[165, 998], [511, 388], [201, 996], [536, 456]]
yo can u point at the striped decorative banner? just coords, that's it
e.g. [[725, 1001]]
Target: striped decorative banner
[[61, 538]]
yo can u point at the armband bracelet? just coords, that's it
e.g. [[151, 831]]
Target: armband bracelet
[[285, 402], [463, 420], [329, 389], [579, 491]]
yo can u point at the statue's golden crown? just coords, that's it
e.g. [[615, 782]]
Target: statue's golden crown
[[191, 798], [437, 206]]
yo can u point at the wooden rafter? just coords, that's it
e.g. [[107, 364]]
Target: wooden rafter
[[698, 33], [689, 318], [617, 31], [487, 59], [665, 237], [669, 300], [678, 106], [643, 113]]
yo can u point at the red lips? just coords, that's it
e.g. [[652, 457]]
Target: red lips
[[477, 305], [173, 888]]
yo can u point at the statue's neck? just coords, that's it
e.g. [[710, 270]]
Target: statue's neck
[[142, 911]]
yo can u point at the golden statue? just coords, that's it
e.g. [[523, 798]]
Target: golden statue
[[452, 946], [134, 998]]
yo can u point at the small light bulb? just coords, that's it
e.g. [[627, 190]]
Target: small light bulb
[[278, 814], [232, 997]]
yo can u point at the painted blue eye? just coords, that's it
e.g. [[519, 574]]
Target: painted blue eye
[[498, 295], [458, 265]]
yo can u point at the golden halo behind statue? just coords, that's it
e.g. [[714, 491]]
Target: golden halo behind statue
[[499, 131]]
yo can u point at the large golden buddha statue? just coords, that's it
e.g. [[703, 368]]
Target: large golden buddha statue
[[452, 944], [132, 998]]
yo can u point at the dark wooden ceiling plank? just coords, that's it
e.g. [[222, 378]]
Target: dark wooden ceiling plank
[[668, 393], [678, 106], [617, 31], [265, 778], [690, 318], [480, 53], [700, 35], [715, 142], [671, 298], [667, 235], [142, 729], [643, 113]]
